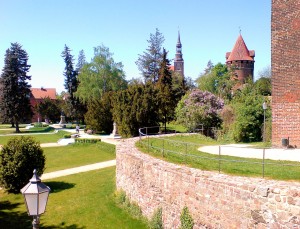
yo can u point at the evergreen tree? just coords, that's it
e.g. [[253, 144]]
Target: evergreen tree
[[166, 98], [99, 116], [149, 62], [134, 108], [15, 97], [81, 61], [77, 109]]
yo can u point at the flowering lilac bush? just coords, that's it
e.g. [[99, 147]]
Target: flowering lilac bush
[[199, 107]]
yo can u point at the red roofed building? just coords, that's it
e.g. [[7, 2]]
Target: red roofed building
[[37, 96], [241, 60]]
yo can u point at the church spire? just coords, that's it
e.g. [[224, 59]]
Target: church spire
[[178, 41], [178, 60]]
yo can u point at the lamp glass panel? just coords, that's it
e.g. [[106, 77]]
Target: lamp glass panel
[[43, 197], [32, 203]]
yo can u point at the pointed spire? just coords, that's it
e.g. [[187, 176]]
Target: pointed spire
[[178, 41], [240, 51]]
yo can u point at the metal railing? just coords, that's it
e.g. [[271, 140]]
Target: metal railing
[[185, 151]]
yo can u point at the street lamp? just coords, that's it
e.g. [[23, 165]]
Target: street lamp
[[36, 195], [264, 108]]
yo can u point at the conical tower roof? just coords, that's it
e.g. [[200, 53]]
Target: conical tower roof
[[240, 51]]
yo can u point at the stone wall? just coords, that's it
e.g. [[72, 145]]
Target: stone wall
[[214, 200], [285, 71]]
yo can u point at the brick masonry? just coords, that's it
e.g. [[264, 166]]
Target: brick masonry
[[214, 200], [285, 44]]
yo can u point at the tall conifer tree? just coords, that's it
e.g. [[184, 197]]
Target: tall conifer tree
[[15, 97], [71, 84], [166, 97], [149, 62]]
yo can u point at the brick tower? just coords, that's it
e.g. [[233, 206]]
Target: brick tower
[[285, 29], [178, 60], [241, 60]]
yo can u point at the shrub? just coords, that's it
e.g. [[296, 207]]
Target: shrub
[[199, 107], [67, 135], [156, 220], [120, 197], [186, 219], [19, 157], [87, 140]]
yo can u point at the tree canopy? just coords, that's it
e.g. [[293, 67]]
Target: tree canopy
[[217, 80], [15, 96], [101, 75], [149, 62]]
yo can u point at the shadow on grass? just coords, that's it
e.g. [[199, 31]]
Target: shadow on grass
[[11, 219], [62, 226], [57, 186]]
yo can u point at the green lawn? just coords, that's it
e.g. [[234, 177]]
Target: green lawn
[[77, 201], [183, 150], [58, 158], [42, 138], [8, 126]]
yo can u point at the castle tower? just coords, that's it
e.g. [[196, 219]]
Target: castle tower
[[241, 60], [285, 46], [178, 61]]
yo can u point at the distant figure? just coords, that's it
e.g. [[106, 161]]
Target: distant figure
[[77, 129]]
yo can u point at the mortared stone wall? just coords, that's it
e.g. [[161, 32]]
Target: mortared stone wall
[[214, 200]]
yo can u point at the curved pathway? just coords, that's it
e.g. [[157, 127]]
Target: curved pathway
[[79, 169]]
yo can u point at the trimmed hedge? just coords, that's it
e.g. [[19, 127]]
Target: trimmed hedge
[[87, 140], [67, 135]]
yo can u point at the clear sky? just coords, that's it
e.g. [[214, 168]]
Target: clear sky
[[208, 29]]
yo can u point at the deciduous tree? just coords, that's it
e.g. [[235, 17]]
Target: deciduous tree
[[49, 109], [101, 75]]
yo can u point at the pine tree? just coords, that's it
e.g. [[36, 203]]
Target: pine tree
[[15, 97], [81, 61], [149, 62], [71, 84], [166, 95]]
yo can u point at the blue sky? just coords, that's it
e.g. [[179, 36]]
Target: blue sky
[[208, 28]]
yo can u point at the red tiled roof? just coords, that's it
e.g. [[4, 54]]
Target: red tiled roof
[[240, 51], [40, 93], [171, 68]]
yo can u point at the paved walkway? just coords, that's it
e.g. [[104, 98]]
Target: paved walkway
[[244, 150], [80, 169]]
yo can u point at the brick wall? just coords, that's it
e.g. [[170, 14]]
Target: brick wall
[[214, 200], [285, 71]]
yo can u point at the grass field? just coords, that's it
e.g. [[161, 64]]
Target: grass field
[[184, 150], [42, 138], [58, 158], [77, 201]]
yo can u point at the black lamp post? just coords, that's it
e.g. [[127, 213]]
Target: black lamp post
[[264, 108], [36, 196]]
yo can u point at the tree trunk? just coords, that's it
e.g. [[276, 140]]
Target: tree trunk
[[12, 124], [17, 128]]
